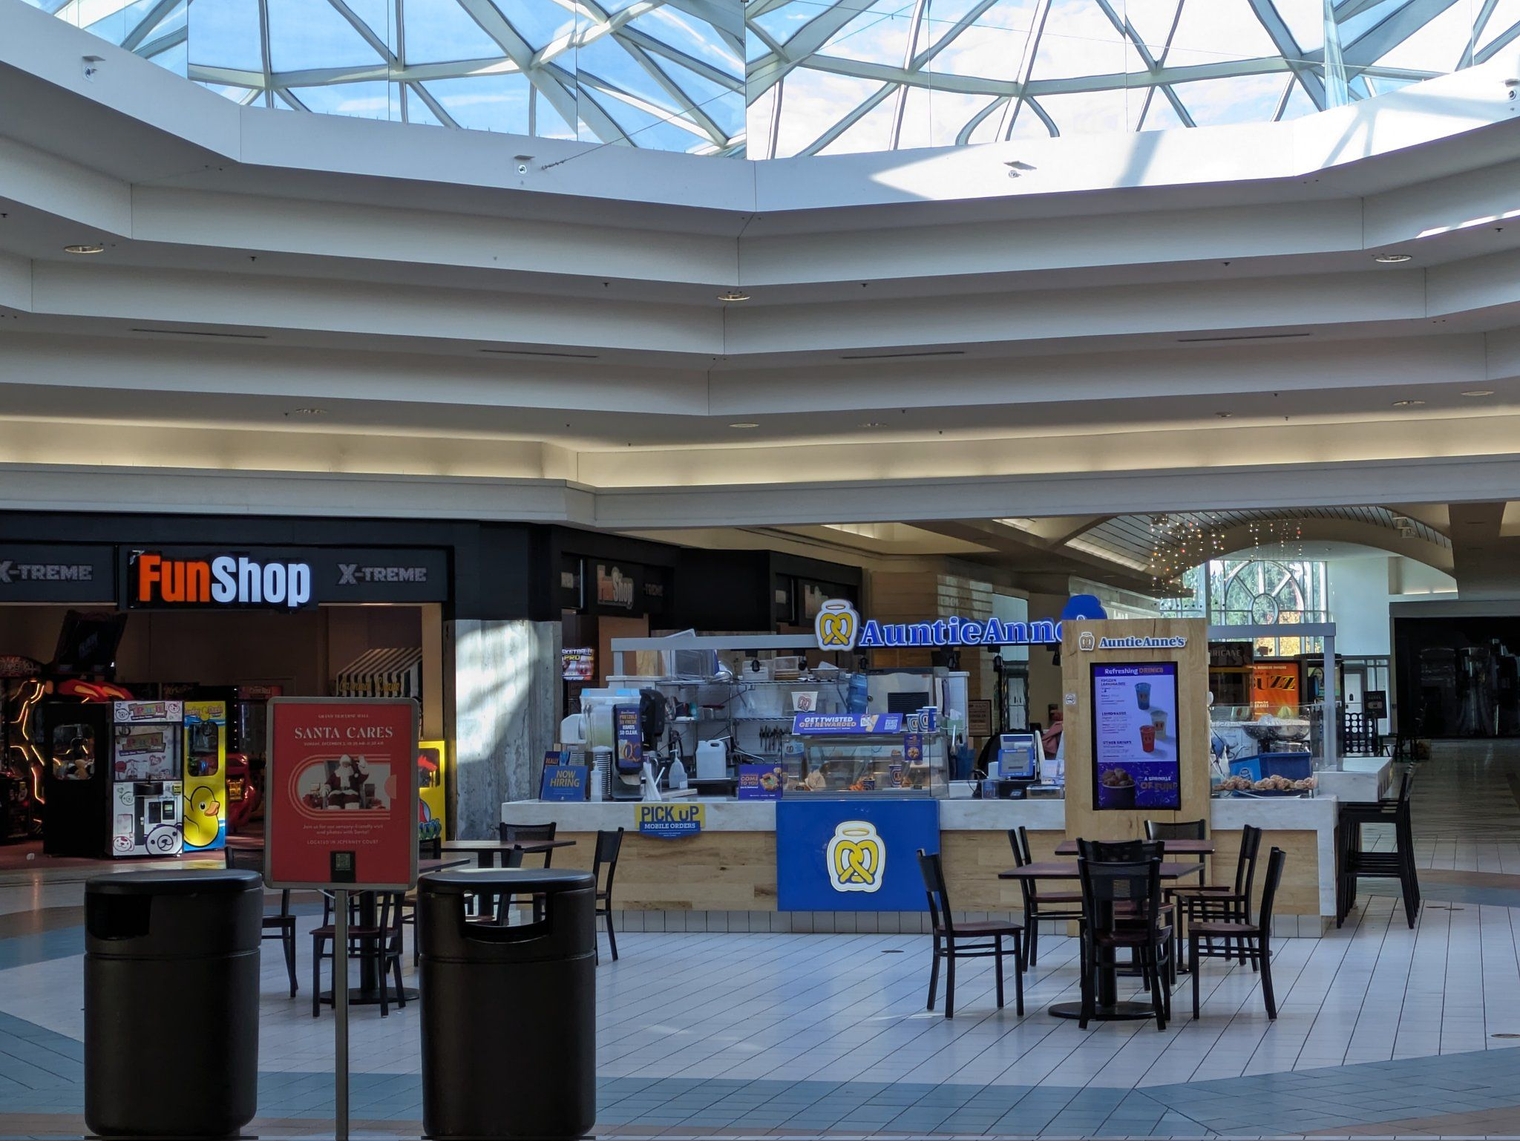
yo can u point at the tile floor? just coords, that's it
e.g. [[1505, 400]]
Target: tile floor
[[1383, 1031]]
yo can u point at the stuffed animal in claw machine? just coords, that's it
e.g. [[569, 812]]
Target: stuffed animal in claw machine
[[202, 817]]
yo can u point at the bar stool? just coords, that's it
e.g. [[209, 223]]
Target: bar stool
[[1398, 864]]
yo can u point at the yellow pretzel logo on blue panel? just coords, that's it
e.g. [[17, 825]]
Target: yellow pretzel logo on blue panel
[[856, 857]]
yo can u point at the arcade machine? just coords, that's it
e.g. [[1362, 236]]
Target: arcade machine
[[247, 717], [147, 784], [205, 804], [76, 739], [21, 761], [432, 796]]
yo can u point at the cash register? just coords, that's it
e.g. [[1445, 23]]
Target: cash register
[[1018, 767]]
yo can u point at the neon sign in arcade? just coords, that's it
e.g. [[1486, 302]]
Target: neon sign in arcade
[[839, 627]]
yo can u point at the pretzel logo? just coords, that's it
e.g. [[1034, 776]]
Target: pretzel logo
[[856, 857], [836, 626]]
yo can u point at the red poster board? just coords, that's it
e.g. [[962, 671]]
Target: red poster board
[[341, 793]]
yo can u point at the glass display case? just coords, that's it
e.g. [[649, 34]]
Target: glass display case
[[879, 764]]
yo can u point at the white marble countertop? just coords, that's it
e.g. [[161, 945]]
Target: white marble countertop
[[728, 815], [1357, 778]]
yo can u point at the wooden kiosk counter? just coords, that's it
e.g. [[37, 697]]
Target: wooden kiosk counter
[[1137, 748]]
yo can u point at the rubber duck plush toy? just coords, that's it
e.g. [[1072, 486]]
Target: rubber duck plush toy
[[202, 820]]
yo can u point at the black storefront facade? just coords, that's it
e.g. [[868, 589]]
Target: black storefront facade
[[611, 586], [1457, 668], [290, 604]]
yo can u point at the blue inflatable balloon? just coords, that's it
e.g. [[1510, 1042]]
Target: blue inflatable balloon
[[1082, 606]]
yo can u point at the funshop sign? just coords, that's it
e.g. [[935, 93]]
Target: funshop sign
[[840, 627]]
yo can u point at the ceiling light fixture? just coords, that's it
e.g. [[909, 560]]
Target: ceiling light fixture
[[540, 353], [1224, 415], [897, 356], [1241, 337], [1407, 403], [729, 296], [744, 424], [1393, 259], [871, 424], [85, 248], [307, 412], [1479, 392], [199, 333]]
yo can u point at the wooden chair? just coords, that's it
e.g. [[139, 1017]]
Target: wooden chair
[[1135, 851], [977, 940], [1223, 902], [1353, 863], [383, 940], [500, 916], [1254, 939], [1122, 902], [1164, 830], [1121, 851], [279, 925], [608, 846], [511, 832], [1038, 903], [429, 849]]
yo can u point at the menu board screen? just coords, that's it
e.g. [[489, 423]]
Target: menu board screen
[[1135, 736]]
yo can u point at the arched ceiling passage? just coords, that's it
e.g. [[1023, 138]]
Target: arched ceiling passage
[[1168, 543]]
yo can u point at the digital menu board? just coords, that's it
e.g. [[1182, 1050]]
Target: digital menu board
[[1135, 736]]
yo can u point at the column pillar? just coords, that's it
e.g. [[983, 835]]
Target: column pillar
[[505, 706]]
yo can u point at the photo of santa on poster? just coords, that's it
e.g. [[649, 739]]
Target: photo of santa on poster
[[341, 785]]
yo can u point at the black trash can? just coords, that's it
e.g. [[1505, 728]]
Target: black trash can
[[171, 1003], [508, 1012]]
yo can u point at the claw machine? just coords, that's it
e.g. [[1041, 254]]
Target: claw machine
[[205, 802], [147, 784]]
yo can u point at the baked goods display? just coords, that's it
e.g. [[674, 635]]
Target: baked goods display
[[1268, 784]]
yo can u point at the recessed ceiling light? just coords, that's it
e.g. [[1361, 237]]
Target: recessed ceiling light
[[200, 333], [1393, 259], [1479, 392], [744, 424], [540, 353], [871, 424], [728, 296], [307, 412], [1407, 403], [895, 356], [85, 248]]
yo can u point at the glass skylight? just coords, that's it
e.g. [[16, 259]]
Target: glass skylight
[[774, 78]]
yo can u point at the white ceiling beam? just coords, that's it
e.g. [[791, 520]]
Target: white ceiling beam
[[1457, 479], [338, 229], [177, 299]]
